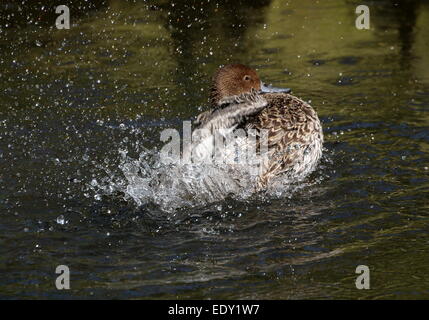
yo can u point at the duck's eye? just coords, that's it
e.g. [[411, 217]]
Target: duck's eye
[[246, 78]]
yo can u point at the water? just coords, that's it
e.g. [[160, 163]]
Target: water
[[81, 112]]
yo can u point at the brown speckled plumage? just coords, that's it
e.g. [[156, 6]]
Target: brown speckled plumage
[[295, 136]]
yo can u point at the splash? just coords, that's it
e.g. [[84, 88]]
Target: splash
[[170, 185], [173, 184]]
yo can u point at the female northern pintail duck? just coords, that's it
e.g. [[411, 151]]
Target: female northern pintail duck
[[240, 100]]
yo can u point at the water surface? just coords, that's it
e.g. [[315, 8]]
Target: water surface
[[81, 112]]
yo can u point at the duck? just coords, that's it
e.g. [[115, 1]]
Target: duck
[[293, 131]]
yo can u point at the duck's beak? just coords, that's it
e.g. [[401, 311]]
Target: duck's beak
[[270, 89]]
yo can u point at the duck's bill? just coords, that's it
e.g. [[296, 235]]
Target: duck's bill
[[270, 89]]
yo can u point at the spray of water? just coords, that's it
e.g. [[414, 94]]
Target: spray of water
[[173, 184], [170, 185]]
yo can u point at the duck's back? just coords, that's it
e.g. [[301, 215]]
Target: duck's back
[[295, 136]]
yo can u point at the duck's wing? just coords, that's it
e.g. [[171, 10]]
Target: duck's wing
[[203, 117], [231, 111]]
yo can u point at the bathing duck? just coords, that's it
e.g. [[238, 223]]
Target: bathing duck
[[292, 128]]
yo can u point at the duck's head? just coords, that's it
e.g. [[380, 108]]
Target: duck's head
[[235, 79]]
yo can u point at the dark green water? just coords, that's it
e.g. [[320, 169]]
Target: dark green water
[[72, 100]]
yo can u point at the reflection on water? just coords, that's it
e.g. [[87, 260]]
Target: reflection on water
[[81, 113]]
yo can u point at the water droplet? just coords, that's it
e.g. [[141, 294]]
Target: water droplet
[[61, 220]]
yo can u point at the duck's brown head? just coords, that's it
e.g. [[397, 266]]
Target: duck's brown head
[[235, 79]]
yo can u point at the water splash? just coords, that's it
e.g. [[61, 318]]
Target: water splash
[[171, 185], [147, 180]]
